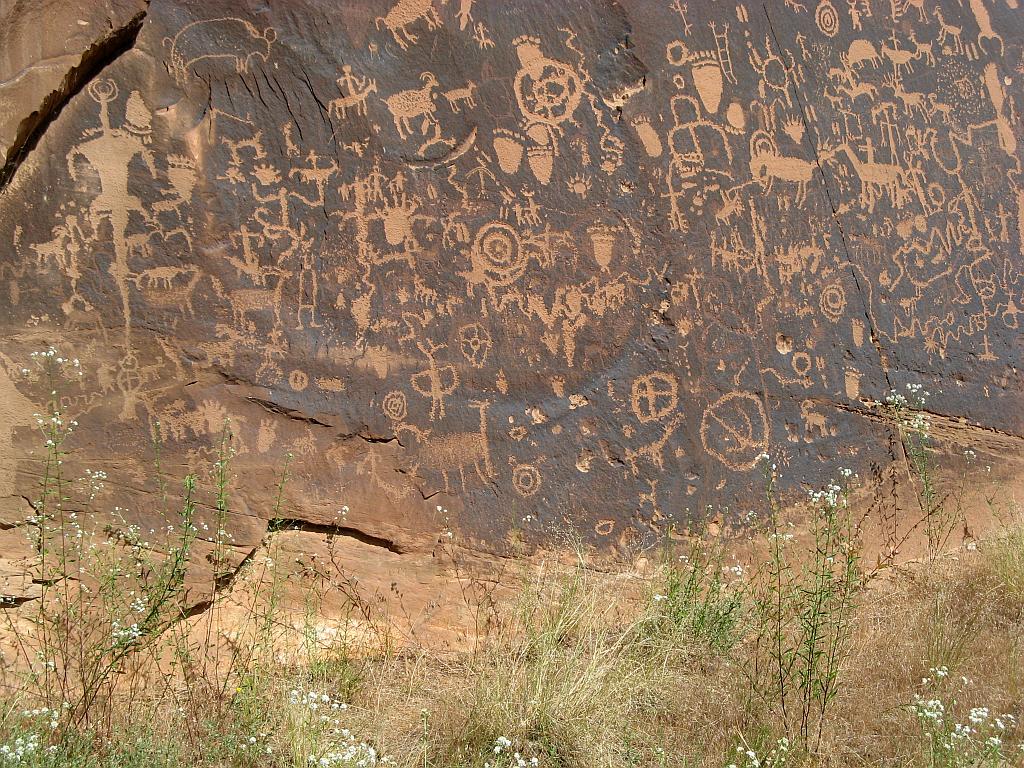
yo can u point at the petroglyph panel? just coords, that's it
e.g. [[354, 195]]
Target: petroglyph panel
[[525, 265]]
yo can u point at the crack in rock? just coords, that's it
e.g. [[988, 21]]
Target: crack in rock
[[328, 529], [95, 59]]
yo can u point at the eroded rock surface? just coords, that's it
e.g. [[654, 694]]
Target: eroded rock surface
[[524, 266]]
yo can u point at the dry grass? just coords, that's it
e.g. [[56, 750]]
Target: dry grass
[[692, 664], [583, 674]]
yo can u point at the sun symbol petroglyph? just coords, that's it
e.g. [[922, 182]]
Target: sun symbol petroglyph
[[547, 91], [833, 302], [497, 256]]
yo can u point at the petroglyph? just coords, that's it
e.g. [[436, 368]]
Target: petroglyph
[[234, 39], [532, 258]]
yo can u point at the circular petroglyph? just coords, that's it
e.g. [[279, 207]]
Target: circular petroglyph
[[734, 429], [498, 254], [526, 479], [103, 91], [654, 396], [547, 91], [298, 380], [394, 405], [129, 375], [801, 363], [827, 18], [833, 302], [475, 344]]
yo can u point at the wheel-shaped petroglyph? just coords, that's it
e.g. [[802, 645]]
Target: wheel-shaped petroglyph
[[734, 429], [654, 396]]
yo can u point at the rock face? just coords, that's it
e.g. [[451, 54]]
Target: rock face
[[502, 267]]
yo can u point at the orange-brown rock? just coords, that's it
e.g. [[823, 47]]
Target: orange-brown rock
[[508, 269]]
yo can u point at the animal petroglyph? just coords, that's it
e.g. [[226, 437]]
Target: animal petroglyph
[[457, 96], [415, 102], [354, 93], [233, 39], [405, 13], [552, 262], [459, 451]]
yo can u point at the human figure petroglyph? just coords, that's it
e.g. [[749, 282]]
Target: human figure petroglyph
[[316, 174], [308, 290], [354, 92], [403, 14], [437, 381], [109, 155], [465, 14], [483, 40], [859, 10], [570, 311]]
